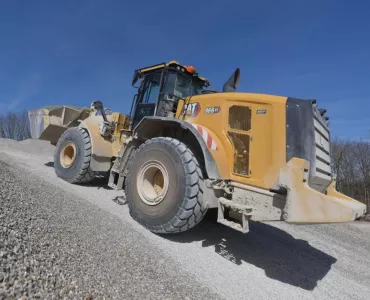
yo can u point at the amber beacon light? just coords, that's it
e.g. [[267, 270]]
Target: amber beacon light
[[190, 69]]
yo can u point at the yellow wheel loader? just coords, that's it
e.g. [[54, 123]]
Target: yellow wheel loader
[[184, 149]]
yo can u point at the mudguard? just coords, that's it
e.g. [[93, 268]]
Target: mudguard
[[148, 125]]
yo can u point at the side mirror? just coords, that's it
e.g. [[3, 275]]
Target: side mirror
[[232, 83]]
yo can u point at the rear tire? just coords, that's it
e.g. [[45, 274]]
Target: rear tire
[[164, 186], [72, 156]]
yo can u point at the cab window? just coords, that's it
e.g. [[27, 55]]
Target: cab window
[[151, 88]]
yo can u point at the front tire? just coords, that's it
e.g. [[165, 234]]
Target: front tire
[[164, 186], [73, 155]]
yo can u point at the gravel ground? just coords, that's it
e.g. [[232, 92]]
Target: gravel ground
[[54, 245], [273, 261]]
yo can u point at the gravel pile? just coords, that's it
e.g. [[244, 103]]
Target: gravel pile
[[7, 143], [98, 246], [37, 147], [56, 246]]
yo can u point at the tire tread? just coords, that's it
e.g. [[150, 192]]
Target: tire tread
[[86, 174], [193, 207]]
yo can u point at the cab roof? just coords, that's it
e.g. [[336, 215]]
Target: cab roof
[[186, 69]]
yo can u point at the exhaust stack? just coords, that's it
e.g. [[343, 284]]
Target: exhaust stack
[[232, 83]]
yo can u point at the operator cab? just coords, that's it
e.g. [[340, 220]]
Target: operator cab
[[160, 87]]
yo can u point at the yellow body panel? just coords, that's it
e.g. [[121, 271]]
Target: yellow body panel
[[267, 133]]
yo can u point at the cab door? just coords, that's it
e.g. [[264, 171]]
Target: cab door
[[147, 98]]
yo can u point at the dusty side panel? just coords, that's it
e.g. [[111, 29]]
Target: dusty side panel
[[266, 206]]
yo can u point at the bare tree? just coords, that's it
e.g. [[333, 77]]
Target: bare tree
[[2, 126], [351, 163], [15, 126], [24, 130]]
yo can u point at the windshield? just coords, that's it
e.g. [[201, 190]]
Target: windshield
[[182, 85]]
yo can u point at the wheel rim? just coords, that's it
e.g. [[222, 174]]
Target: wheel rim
[[67, 155], [152, 182]]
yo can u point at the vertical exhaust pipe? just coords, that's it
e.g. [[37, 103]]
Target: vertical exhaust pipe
[[232, 83]]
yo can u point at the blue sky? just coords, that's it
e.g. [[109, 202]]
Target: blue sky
[[72, 52]]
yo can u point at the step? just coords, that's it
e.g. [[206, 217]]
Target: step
[[244, 211]]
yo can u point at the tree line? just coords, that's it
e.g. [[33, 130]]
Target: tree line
[[15, 126], [350, 159], [351, 163]]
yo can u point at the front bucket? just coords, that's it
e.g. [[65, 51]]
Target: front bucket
[[49, 123]]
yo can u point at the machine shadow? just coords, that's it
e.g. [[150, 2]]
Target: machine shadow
[[280, 255], [100, 182], [49, 164]]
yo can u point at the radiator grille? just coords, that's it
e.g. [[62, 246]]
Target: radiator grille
[[239, 136], [240, 118], [321, 165]]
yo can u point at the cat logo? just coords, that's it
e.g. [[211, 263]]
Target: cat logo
[[191, 110]]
